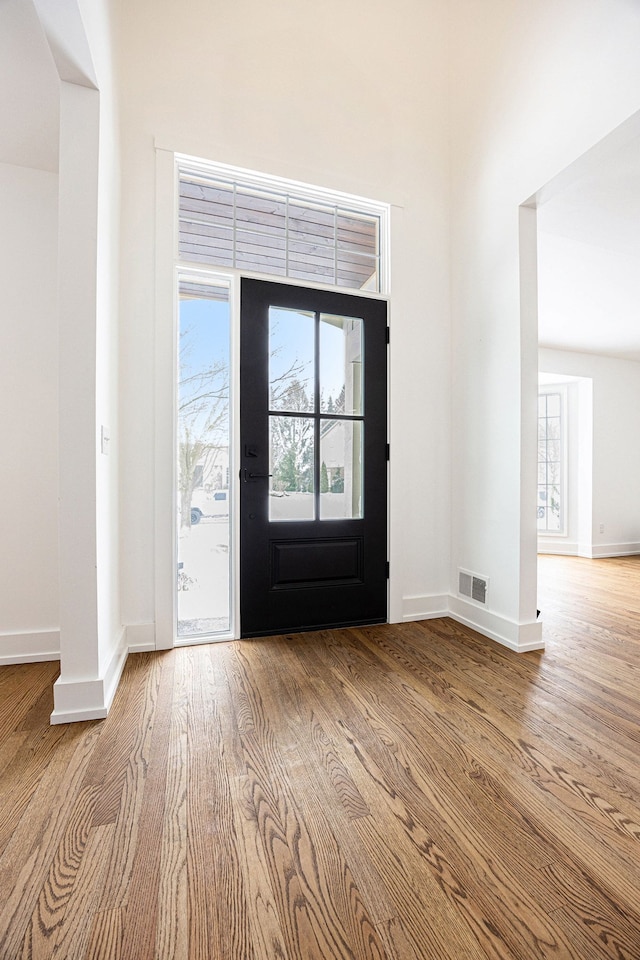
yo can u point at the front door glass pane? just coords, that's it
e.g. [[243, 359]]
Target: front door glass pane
[[202, 575], [341, 365], [341, 476], [291, 465], [291, 360]]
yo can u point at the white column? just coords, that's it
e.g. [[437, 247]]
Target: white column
[[529, 628], [78, 689]]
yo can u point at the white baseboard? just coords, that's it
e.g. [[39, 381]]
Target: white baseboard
[[559, 548], [89, 699], [590, 551], [424, 608], [520, 637], [601, 550], [517, 636], [141, 637], [29, 646], [77, 700], [115, 667]]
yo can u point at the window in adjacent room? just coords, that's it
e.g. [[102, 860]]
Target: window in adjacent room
[[551, 463]]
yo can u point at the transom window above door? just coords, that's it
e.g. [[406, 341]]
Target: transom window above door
[[258, 224]]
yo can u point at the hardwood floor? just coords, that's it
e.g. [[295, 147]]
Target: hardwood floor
[[401, 792]]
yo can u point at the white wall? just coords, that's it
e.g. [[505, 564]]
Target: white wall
[[29, 605], [29, 609], [28, 90], [616, 452], [345, 96], [546, 82]]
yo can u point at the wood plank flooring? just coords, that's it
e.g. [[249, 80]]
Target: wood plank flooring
[[413, 792]]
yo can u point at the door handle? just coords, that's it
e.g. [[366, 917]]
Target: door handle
[[248, 476]]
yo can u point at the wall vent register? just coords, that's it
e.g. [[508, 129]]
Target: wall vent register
[[472, 586]]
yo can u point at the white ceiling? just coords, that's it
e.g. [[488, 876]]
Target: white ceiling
[[29, 90], [589, 260]]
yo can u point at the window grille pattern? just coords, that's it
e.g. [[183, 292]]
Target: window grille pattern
[[230, 224], [550, 463]]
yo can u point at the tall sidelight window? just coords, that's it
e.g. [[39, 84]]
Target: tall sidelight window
[[551, 463], [203, 443]]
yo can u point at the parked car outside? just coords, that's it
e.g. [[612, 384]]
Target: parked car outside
[[209, 505]]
